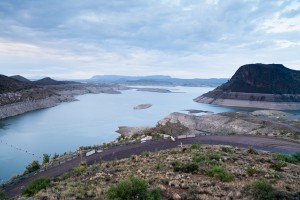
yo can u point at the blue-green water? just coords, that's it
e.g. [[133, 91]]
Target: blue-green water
[[91, 120]]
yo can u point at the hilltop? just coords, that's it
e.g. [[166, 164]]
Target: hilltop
[[50, 81], [20, 78], [188, 172], [8, 84], [271, 86]]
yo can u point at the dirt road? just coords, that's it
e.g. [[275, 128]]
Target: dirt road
[[260, 143]]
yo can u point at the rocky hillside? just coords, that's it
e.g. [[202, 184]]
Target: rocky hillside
[[19, 95], [8, 84], [189, 172], [254, 84]]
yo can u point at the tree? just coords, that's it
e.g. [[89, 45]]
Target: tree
[[55, 156], [33, 166], [46, 158]]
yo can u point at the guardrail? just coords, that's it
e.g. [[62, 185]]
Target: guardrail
[[5, 184]]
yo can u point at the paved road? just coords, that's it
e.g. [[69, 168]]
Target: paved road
[[260, 143]]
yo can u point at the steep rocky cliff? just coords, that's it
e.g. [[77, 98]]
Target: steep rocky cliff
[[258, 85]]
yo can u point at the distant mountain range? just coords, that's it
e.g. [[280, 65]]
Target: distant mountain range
[[156, 80], [253, 85]]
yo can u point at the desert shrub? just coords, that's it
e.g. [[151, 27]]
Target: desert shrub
[[154, 194], [214, 156], [277, 165], [79, 169], [286, 158], [132, 188], [261, 190], [197, 157], [146, 153], [251, 171], [195, 146], [220, 173], [159, 166], [251, 150], [226, 149], [35, 186], [187, 167], [33, 166], [297, 156]]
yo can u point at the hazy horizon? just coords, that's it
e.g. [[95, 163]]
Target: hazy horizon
[[185, 39]]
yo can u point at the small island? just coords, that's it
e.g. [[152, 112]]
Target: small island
[[142, 106]]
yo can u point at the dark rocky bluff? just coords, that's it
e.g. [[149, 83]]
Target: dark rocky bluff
[[257, 83], [8, 84], [264, 78]]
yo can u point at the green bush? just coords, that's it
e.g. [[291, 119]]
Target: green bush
[[220, 173], [214, 156], [79, 169], [36, 185], [261, 190], [195, 146], [197, 157], [33, 166], [251, 171], [277, 165], [287, 158], [297, 156], [154, 194], [226, 149], [132, 188], [187, 168]]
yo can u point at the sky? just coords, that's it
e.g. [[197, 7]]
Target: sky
[[77, 39]]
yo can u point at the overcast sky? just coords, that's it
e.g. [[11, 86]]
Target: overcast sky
[[181, 38]]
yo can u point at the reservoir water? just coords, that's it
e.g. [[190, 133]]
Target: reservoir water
[[91, 120]]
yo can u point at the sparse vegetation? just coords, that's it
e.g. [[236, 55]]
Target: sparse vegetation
[[36, 185], [200, 173]]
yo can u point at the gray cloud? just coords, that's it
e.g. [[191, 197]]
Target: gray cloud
[[181, 38]]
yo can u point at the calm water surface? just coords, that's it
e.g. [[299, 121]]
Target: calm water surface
[[91, 120]]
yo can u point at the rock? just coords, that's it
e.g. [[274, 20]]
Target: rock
[[176, 196], [142, 106]]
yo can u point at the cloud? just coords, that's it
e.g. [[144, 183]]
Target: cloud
[[182, 38]]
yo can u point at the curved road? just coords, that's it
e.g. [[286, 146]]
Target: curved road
[[260, 143]]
